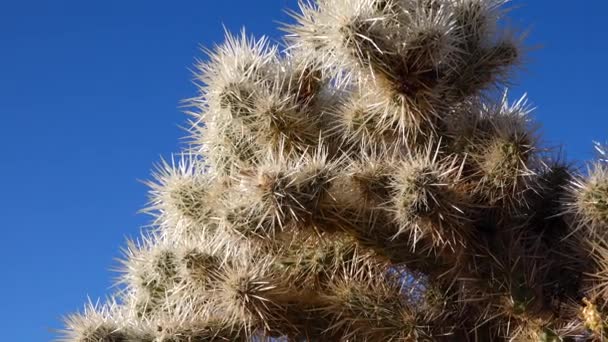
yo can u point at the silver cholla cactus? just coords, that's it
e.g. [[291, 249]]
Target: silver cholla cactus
[[369, 180]]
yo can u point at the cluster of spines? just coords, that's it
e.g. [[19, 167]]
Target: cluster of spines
[[365, 184]]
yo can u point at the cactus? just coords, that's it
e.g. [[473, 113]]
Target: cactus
[[369, 180]]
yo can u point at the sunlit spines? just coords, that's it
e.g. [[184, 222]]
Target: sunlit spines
[[280, 123], [426, 199], [164, 279], [399, 46], [311, 260], [149, 274], [184, 322], [248, 295], [587, 200], [198, 267], [505, 152], [425, 48], [426, 56], [237, 73], [364, 120], [283, 193], [350, 36], [182, 197], [227, 148], [602, 151], [595, 276], [366, 182], [487, 53], [330, 34], [371, 303], [102, 323], [236, 70], [281, 119]]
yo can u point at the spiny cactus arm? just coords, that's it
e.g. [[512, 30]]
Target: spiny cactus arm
[[105, 322], [421, 56], [182, 197], [588, 200], [365, 184]]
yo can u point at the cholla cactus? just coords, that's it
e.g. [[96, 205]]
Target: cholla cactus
[[370, 181]]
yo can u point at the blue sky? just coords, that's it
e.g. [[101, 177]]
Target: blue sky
[[89, 100]]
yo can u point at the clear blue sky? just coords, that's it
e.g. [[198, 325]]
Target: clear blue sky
[[89, 100]]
